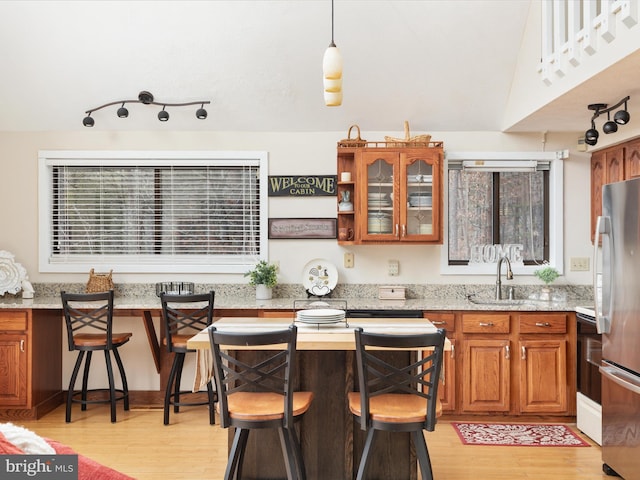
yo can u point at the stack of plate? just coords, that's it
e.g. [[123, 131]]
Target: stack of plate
[[420, 200], [378, 199], [379, 223], [320, 315]]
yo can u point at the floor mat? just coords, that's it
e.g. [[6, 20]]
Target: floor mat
[[517, 434]]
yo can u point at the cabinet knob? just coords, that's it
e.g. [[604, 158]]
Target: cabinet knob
[[22, 345], [524, 352], [507, 352]]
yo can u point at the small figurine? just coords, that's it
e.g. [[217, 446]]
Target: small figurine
[[345, 204]]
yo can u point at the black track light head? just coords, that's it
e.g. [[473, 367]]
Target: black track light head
[[201, 113], [123, 112], [163, 115], [622, 117], [88, 121], [609, 126], [591, 136]]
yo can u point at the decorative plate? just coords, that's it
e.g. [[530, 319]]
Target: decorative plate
[[319, 277], [11, 274]]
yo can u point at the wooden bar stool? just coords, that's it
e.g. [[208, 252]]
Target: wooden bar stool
[[397, 398], [259, 394], [93, 311], [184, 316]]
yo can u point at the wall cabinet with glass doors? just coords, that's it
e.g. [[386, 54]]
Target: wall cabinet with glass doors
[[394, 195]]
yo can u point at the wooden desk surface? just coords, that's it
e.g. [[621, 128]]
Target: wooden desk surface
[[338, 336]]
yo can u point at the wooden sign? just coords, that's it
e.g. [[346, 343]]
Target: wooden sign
[[299, 228], [302, 185]]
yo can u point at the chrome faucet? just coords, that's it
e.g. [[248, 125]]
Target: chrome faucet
[[499, 280]]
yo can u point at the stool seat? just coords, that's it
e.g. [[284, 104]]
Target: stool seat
[[179, 342], [259, 406], [394, 407], [98, 339]]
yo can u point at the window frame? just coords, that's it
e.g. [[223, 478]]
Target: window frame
[[47, 159], [555, 208]]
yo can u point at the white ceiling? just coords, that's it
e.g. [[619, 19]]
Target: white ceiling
[[443, 65]]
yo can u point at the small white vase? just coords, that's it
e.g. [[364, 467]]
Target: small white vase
[[263, 292], [545, 294]]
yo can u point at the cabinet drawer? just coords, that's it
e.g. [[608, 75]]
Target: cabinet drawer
[[442, 320], [13, 321], [543, 323], [485, 323]]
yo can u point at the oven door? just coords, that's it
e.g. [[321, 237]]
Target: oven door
[[589, 359]]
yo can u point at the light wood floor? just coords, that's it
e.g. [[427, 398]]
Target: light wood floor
[[191, 449]]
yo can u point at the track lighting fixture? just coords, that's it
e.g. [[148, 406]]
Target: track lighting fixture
[[621, 117], [146, 98]]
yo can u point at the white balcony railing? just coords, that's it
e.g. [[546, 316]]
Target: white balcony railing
[[574, 28]]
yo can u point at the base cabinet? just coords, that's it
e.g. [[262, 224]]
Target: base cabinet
[[30, 363], [517, 363]]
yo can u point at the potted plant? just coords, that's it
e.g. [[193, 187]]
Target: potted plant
[[547, 274], [264, 277]]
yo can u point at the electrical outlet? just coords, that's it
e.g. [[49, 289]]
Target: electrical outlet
[[394, 268], [348, 260], [579, 264]]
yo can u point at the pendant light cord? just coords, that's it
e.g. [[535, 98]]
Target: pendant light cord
[[332, 42]]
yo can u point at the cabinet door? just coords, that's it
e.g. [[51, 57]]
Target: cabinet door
[[632, 159], [447, 388], [419, 196], [543, 376], [377, 203], [607, 166], [13, 365], [486, 376]]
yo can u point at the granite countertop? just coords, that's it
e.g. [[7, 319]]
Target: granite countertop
[[250, 303]]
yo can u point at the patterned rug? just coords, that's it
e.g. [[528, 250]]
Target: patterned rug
[[516, 434]]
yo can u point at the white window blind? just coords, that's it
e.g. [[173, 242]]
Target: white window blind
[[187, 214]]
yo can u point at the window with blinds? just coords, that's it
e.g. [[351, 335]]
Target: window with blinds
[[183, 212]]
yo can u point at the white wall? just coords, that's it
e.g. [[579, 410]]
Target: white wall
[[289, 153]]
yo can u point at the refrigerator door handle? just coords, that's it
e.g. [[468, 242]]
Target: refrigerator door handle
[[623, 379], [603, 227]]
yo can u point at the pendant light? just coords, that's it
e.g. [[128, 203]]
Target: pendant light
[[332, 72]]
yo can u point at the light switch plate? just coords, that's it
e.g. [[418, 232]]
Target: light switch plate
[[579, 264]]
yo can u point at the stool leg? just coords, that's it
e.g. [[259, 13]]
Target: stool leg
[[288, 453], [123, 377], [234, 465], [302, 474], [176, 397], [112, 388], [170, 382], [72, 384], [423, 454], [212, 401], [368, 447], [85, 380]]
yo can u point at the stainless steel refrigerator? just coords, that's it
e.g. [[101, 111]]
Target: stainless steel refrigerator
[[618, 319]]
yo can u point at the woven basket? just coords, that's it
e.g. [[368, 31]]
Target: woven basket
[[99, 282], [352, 142], [408, 139]]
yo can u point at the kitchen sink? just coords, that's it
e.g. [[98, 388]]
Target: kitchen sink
[[505, 301]]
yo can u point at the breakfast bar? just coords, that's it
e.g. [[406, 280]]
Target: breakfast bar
[[331, 442]]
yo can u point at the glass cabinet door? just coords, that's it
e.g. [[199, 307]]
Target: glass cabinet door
[[381, 219], [417, 176]]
